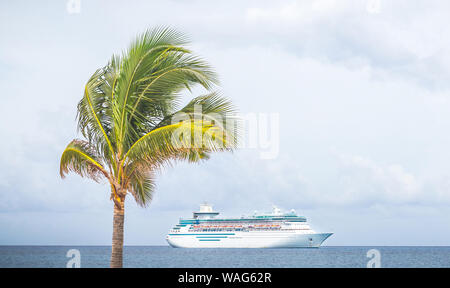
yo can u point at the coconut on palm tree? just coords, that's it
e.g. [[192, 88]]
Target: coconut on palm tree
[[132, 122]]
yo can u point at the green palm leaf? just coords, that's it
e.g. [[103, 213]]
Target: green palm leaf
[[81, 158]]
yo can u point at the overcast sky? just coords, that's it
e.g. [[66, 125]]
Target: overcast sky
[[361, 89]]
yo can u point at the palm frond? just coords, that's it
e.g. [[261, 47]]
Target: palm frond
[[181, 140], [214, 109], [95, 110], [153, 71], [209, 104], [80, 157], [141, 184]]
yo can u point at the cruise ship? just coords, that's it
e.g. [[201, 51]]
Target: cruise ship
[[269, 230]]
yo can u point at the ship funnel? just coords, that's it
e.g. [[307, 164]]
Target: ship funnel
[[205, 207]]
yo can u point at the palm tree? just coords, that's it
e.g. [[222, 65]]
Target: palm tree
[[132, 122]]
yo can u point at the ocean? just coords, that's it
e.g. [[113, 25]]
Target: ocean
[[165, 256]]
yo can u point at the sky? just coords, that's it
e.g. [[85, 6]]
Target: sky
[[359, 92]]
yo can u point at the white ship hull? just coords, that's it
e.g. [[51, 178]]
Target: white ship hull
[[250, 239]]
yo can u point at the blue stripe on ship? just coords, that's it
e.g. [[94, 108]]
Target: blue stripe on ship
[[193, 234], [212, 236], [208, 239]]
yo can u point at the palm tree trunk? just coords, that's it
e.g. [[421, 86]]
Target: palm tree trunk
[[117, 237]]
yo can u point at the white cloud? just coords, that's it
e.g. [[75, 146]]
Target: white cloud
[[396, 38], [293, 12], [386, 184]]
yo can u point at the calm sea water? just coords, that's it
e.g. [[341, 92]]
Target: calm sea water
[[164, 256]]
